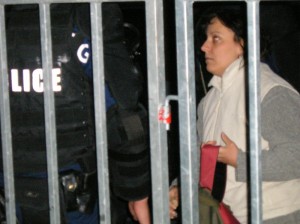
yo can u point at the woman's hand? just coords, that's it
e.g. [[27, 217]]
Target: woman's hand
[[228, 154], [140, 210], [174, 201]]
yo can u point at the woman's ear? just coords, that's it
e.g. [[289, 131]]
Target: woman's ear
[[242, 43], [241, 49]]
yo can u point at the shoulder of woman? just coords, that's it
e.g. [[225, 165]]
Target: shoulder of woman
[[270, 80]]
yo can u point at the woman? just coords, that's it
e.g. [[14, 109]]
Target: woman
[[222, 120]]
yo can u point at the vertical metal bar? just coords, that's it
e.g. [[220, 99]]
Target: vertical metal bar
[[254, 110], [7, 151], [50, 125], [189, 155], [100, 112], [156, 97]]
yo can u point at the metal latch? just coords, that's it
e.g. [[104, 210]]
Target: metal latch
[[164, 113]]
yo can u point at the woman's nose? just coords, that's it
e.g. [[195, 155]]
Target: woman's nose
[[204, 46]]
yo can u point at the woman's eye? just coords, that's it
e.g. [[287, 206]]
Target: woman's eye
[[216, 38]]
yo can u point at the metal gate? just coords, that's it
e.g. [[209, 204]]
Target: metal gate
[[156, 97]]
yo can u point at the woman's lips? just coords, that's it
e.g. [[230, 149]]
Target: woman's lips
[[208, 59]]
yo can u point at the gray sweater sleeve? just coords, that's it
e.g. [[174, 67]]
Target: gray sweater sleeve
[[280, 126]]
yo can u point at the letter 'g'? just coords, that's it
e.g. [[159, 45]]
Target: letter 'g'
[[83, 53]]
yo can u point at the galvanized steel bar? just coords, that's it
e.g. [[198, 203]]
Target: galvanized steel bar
[[100, 112], [50, 122], [156, 97], [7, 152], [189, 154], [254, 110]]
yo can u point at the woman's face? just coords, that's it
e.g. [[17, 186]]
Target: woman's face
[[220, 48]]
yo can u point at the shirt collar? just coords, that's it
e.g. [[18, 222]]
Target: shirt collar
[[224, 81]]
